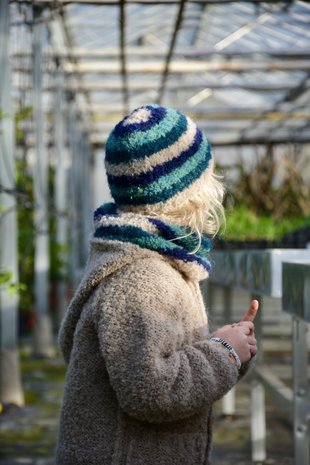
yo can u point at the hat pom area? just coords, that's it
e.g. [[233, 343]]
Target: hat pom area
[[153, 155]]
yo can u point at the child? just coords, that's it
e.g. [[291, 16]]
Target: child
[[143, 370]]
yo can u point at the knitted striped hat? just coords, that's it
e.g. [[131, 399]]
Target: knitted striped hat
[[153, 155]]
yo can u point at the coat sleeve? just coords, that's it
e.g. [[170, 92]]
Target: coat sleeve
[[156, 375]]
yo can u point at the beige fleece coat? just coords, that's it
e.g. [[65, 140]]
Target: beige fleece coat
[[142, 373]]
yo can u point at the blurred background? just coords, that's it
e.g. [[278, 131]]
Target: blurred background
[[70, 70]]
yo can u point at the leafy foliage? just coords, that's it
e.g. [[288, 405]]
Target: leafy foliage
[[245, 224], [26, 235], [264, 191], [25, 222], [23, 114], [26, 226], [267, 201], [6, 278]]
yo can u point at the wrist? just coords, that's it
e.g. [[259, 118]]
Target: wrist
[[231, 351]]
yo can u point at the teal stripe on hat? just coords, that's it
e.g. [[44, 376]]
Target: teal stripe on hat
[[169, 182], [140, 145]]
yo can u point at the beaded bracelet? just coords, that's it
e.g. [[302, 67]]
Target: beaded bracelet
[[230, 349]]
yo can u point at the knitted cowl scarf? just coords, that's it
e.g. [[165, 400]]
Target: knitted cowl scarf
[[175, 243]]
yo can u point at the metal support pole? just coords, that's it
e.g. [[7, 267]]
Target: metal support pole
[[100, 182], [86, 210], [83, 181], [301, 392], [79, 197], [228, 402], [258, 413], [61, 194], [90, 169], [10, 380], [43, 329], [74, 191], [258, 421]]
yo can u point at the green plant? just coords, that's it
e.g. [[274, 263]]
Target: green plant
[[25, 204], [267, 200], [6, 281], [25, 222], [21, 115], [58, 255], [265, 191], [245, 224], [26, 235]]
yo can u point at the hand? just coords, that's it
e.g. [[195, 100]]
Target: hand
[[241, 335], [247, 321]]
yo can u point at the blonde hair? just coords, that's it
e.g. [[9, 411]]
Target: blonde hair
[[199, 207], [202, 212]]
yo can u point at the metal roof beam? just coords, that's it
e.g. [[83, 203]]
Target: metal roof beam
[[113, 113], [285, 110], [217, 139], [144, 51], [141, 2], [166, 70], [61, 35], [123, 61], [183, 66], [141, 85], [229, 141]]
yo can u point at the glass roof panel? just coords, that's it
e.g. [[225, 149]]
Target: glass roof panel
[[214, 60]]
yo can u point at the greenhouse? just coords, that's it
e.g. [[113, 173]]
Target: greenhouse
[[70, 71]]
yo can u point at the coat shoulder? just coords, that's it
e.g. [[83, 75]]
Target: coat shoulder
[[150, 274], [148, 283]]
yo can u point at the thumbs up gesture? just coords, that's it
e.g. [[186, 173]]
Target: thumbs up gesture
[[252, 311], [241, 335]]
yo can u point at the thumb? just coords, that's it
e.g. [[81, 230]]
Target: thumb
[[251, 313]]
